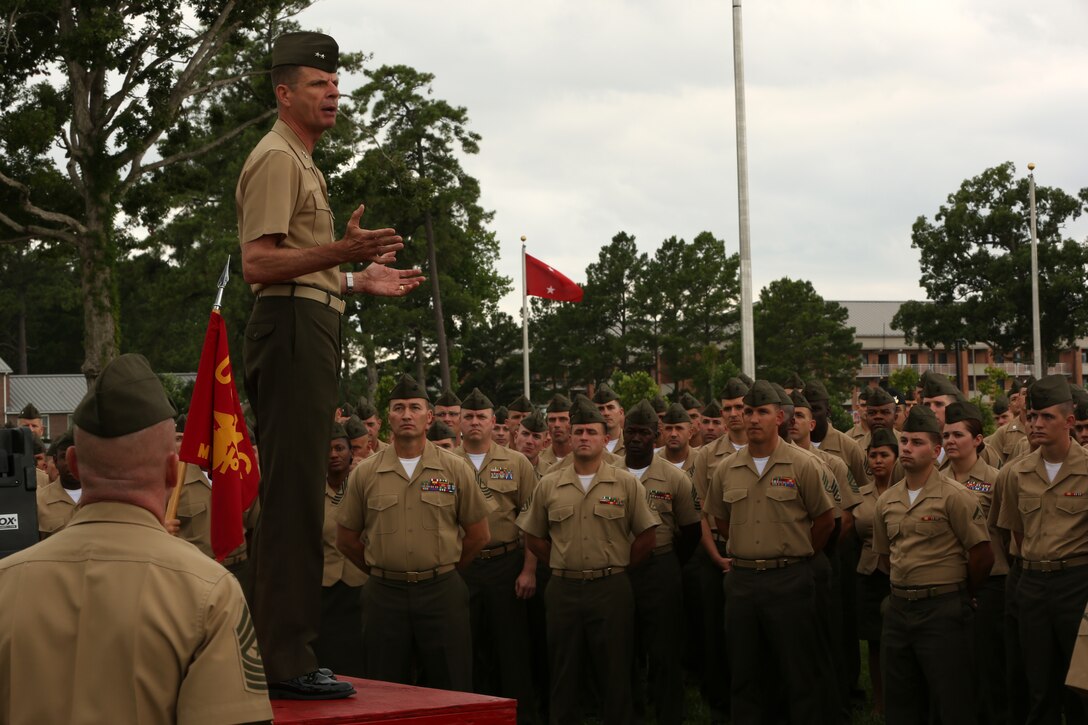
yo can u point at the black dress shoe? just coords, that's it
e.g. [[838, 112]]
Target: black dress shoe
[[312, 686], [327, 672]]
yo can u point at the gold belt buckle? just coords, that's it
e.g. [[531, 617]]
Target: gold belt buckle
[[412, 577], [761, 565]]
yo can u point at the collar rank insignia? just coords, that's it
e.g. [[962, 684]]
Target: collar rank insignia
[[611, 501], [498, 473], [978, 486], [660, 495], [1073, 493], [784, 482], [440, 485]]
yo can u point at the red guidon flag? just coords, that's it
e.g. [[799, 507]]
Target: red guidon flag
[[542, 280], [216, 439]]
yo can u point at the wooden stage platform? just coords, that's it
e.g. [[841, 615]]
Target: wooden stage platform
[[385, 702]]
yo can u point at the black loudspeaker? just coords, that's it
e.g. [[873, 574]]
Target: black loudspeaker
[[18, 500]]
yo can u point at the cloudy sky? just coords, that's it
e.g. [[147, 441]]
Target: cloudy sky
[[600, 115]]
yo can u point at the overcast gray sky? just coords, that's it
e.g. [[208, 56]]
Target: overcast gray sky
[[600, 115]]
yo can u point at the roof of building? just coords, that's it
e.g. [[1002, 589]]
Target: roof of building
[[4, 367], [872, 318], [57, 394]]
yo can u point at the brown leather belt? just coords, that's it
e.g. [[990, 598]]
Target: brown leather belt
[[766, 564], [913, 594], [411, 577], [588, 574], [663, 549], [496, 551], [1058, 565], [306, 293]]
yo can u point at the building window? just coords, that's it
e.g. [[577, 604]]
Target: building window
[[914, 358], [942, 358], [882, 359], [901, 359]]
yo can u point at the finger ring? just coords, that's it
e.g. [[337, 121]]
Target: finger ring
[[402, 286]]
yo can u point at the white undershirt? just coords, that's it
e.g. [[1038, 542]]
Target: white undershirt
[[409, 465], [940, 457], [1052, 469], [913, 494], [658, 450], [586, 480], [761, 463], [638, 472], [817, 443], [74, 493], [611, 445], [681, 463], [477, 459], [738, 446]]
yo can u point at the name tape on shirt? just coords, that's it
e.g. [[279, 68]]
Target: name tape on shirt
[[784, 482], [439, 484], [612, 501], [498, 473]]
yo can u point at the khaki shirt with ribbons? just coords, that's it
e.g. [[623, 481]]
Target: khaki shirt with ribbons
[[337, 567], [980, 480], [281, 191], [511, 479], [1053, 517], [132, 626], [864, 515], [413, 524], [770, 515], [839, 444], [928, 541], [671, 494], [55, 509], [588, 529]]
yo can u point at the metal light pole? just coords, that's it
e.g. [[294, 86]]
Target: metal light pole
[[1040, 363], [747, 341], [524, 321]]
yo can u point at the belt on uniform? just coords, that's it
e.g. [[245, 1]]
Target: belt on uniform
[[1057, 565], [306, 293], [663, 549], [499, 550], [588, 574], [913, 594], [765, 564], [411, 577]]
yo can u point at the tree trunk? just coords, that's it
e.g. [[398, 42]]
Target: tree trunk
[[421, 368], [371, 370], [21, 353], [439, 319], [99, 302]]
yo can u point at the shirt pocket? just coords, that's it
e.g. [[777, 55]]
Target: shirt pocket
[[931, 528], [737, 500], [322, 227], [610, 522], [1072, 504], [438, 510], [192, 517], [784, 504], [893, 530], [382, 509]]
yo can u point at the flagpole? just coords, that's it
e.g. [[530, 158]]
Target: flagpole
[[524, 319]]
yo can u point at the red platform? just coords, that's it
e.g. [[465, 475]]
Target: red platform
[[387, 702]]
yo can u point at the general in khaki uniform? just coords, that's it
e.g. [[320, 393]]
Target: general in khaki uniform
[[590, 519], [1045, 507], [135, 625], [935, 537], [410, 502], [770, 504]]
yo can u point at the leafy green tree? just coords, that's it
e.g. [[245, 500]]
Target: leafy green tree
[[633, 387], [905, 380], [39, 304], [976, 262], [994, 384]]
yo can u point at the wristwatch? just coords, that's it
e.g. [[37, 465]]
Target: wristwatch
[[349, 282]]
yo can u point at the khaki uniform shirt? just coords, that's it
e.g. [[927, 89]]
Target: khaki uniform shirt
[[1077, 676], [769, 515], [1005, 439], [672, 496], [195, 515], [588, 530], [55, 509], [838, 443], [929, 540], [688, 466], [857, 432], [1007, 542], [413, 524], [980, 481], [707, 460], [864, 515], [134, 626], [620, 450], [568, 460], [547, 459], [845, 494], [337, 567], [1053, 517], [280, 191], [511, 479]]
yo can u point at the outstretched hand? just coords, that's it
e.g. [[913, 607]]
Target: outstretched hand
[[370, 245], [382, 281]]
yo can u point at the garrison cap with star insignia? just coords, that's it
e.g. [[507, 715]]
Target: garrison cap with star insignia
[[897, 397], [354, 428], [815, 392], [604, 395], [315, 50], [1020, 385], [501, 415], [125, 397], [477, 401], [340, 431], [746, 379], [883, 437], [962, 410], [713, 409], [921, 419], [783, 396], [1048, 391], [585, 412], [559, 404], [734, 388], [660, 406], [642, 413], [439, 431], [347, 410], [937, 384], [534, 423], [762, 393], [690, 402], [408, 388], [29, 412], [794, 381], [448, 398], [1001, 405], [799, 400], [676, 414], [879, 396], [521, 405]]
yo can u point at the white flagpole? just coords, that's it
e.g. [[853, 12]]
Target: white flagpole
[[524, 319]]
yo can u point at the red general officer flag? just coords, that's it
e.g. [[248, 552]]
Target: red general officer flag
[[216, 439], [541, 280]]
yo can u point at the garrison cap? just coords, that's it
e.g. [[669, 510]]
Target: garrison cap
[[799, 400], [29, 412], [744, 378], [365, 410], [521, 405], [559, 404], [660, 406], [1080, 402], [713, 409], [439, 431], [962, 410], [448, 398], [883, 437], [347, 409], [762, 393], [584, 411], [1001, 405], [339, 431], [604, 395], [1020, 385], [315, 50], [897, 397], [676, 414], [689, 401], [864, 393], [408, 388], [940, 385], [39, 446], [61, 444], [1050, 390], [125, 397], [921, 419], [501, 415], [642, 413], [534, 423], [783, 396], [477, 401], [354, 428], [179, 423], [794, 381], [879, 396], [734, 388], [815, 392]]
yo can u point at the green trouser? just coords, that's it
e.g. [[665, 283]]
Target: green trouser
[[501, 662], [418, 627], [1016, 679], [590, 622], [292, 357], [339, 644], [926, 660], [849, 549], [710, 641], [829, 614], [538, 637], [659, 612], [989, 640]]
